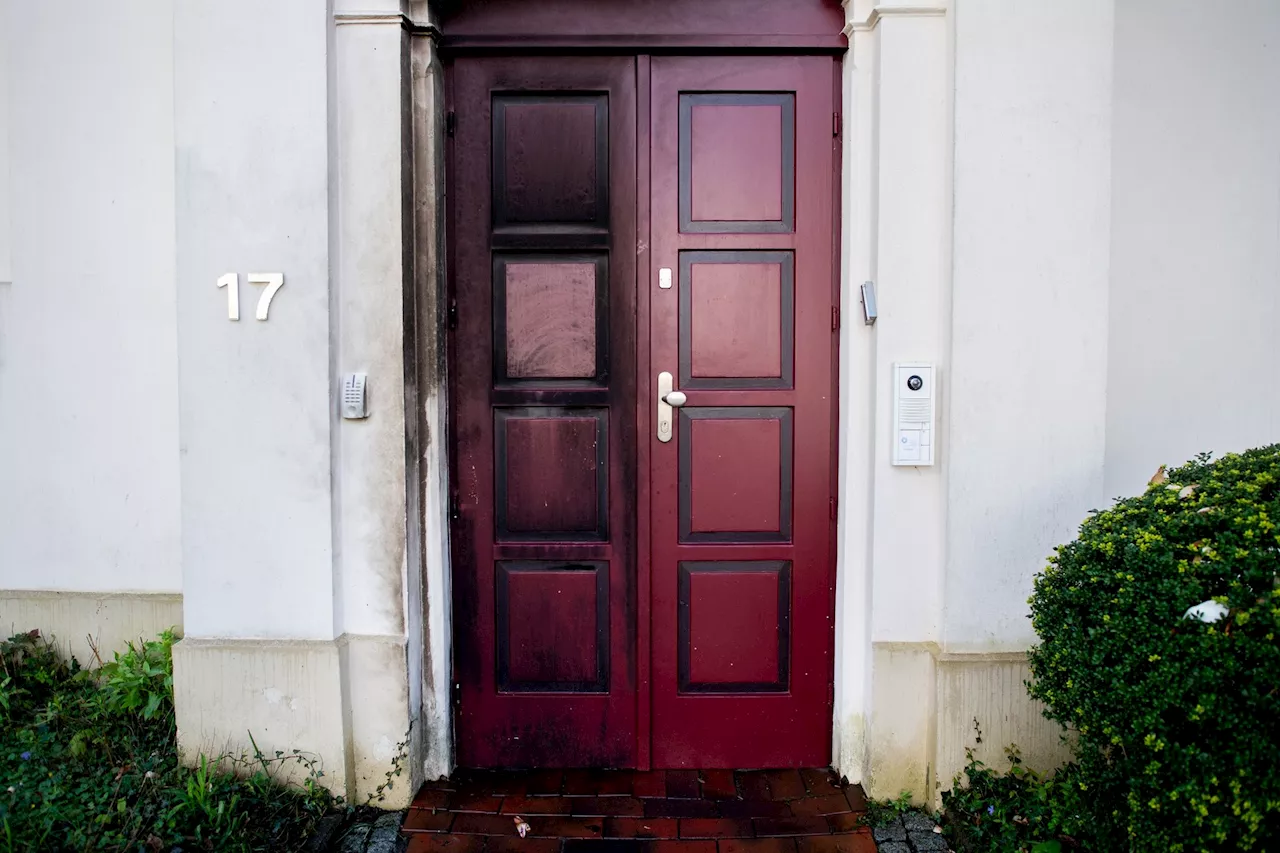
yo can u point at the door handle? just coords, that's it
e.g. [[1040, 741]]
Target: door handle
[[668, 399]]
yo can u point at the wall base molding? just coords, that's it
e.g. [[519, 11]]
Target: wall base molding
[[80, 622], [343, 702], [925, 704]]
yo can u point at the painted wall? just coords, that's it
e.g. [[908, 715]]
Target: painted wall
[[252, 136], [1026, 408], [1195, 235], [1027, 404], [88, 347], [6, 236]]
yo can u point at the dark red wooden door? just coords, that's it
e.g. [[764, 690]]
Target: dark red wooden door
[[741, 569], [716, 650], [543, 402]]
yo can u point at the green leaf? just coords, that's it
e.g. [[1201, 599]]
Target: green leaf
[[1046, 847]]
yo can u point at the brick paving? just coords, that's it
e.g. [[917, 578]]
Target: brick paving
[[621, 811]]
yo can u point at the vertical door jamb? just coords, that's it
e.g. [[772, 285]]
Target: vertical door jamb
[[837, 162]]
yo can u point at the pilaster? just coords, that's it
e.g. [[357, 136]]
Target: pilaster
[[896, 234]]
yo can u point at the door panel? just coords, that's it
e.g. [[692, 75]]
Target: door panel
[[543, 406], [741, 160], [737, 320]]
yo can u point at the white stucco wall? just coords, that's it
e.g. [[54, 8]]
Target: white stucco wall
[[6, 237], [252, 136], [88, 351], [1027, 403], [1195, 271]]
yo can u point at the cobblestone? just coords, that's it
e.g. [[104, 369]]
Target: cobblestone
[[895, 847], [914, 832], [894, 831], [369, 833]]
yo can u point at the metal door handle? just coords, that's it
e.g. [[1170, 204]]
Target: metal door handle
[[668, 399]]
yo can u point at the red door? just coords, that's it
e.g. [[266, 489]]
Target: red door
[[741, 568], [543, 404], [620, 599]]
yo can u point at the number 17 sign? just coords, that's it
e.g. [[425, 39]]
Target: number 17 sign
[[231, 281]]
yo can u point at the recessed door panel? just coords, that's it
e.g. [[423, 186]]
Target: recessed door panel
[[551, 319], [745, 648], [735, 474], [737, 162], [737, 320], [553, 627], [550, 160], [551, 474]]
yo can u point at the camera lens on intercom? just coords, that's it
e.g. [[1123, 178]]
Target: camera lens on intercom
[[915, 383]]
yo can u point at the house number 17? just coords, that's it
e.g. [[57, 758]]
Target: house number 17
[[231, 281]]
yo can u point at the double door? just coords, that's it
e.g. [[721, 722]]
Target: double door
[[642, 394]]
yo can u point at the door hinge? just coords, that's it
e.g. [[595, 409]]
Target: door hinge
[[450, 123], [453, 313], [457, 693], [833, 508], [455, 508], [835, 318], [835, 124]]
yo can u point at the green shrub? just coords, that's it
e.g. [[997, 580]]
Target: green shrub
[[30, 671], [88, 761], [140, 680], [1020, 810], [1178, 719]]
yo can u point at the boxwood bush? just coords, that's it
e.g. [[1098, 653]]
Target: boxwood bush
[[1178, 717]]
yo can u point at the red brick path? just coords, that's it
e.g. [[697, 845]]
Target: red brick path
[[620, 811]]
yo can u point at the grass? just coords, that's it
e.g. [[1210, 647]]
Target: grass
[[88, 762]]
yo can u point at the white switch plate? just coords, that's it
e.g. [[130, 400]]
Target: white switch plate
[[914, 396]]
